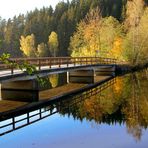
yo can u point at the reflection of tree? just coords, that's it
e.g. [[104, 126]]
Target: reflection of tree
[[54, 80], [134, 106], [100, 107], [46, 83], [62, 79], [123, 102], [58, 79]]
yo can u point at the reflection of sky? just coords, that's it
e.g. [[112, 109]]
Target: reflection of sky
[[62, 132]]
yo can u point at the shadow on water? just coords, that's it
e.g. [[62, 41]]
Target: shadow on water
[[121, 100]]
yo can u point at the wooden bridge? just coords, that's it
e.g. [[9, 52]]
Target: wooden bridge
[[78, 70], [48, 65]]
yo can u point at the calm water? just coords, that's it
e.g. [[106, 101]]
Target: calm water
[[112, 116]]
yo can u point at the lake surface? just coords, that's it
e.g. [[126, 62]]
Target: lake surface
[[114, 115]]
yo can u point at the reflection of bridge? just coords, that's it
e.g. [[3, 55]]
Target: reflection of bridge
[[48, 65], [55, 106]]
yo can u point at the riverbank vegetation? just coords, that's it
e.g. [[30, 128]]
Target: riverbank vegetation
[[116, 29]]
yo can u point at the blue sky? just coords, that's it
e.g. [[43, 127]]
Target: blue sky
[[9, 8]]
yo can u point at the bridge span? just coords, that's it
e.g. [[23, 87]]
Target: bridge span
[[21, 92], [50, 65]]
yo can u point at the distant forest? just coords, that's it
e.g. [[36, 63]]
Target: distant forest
[[41, 27]]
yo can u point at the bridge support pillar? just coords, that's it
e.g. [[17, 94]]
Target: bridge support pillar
[[82, 76], [21, 85], [105, 71], [24, 90]]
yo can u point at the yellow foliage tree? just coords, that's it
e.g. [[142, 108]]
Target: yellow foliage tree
[[95, 35], [42, 50], [135, 43], [28, 45], [53, 43], [85, 40], [117, 50], [134, 11]]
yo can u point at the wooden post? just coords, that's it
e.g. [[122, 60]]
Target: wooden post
[[86, 60], [39, 62], [80, 61], [67, 62], [59, 62], [12, 70], [49, 63], [74, 61], [27, 118], [13, 123], [91, 60], [40, 113]]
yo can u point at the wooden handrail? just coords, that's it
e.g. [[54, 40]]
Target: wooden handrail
[[59, 61]]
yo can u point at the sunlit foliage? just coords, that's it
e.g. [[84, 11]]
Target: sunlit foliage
[[42, 50], [53, 43], [96, 36], [135, 43], [134, 11], [28, 45]]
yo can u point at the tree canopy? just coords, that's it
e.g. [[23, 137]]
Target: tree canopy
[[79, 29]]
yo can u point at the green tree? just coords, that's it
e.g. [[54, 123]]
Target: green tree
[[28, 45], [53, 43]]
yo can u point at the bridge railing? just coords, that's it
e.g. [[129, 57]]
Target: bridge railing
[[58, 62]]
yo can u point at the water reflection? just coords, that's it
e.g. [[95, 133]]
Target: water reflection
[[135, 107], [28, 91], [126, 102], [57, 106], [122, 101]]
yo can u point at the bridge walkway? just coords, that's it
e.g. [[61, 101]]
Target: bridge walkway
[[48, 65]]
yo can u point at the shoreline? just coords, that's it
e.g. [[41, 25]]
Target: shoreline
[[124, 69]]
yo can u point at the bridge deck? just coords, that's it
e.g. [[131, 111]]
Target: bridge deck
[[44, 71], [51, 64]]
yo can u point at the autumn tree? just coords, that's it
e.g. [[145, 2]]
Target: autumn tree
[[42, 50], [134, 11], [111, 34], [117, 49], [28, 45], [63, 20], [86, 39], [135, 43], [96, 36], [53, 43]]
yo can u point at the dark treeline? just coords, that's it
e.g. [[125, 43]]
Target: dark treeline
[[63, 20]]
